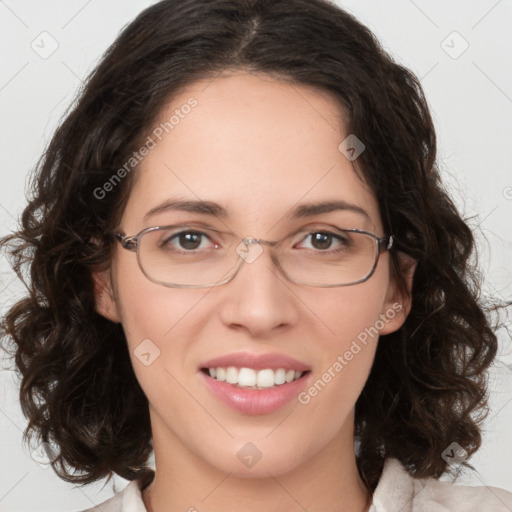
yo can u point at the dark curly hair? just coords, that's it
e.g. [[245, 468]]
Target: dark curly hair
[[428, 384]]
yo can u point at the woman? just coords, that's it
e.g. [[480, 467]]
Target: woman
[[242, 258]]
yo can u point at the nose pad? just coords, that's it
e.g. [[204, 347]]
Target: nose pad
[[249, 249]]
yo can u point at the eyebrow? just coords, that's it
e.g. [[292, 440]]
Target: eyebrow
[[215, 209]]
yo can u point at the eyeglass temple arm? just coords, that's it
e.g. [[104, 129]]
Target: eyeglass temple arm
[[128, 242], [386, 243]]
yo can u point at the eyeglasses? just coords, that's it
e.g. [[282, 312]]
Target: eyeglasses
[[184, 256]]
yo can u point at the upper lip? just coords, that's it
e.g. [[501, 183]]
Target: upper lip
[[257, 361]]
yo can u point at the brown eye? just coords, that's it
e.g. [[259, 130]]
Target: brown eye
[[185, 241], [189, 241], [321, 240]]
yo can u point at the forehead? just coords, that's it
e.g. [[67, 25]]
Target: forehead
[[257, 145]]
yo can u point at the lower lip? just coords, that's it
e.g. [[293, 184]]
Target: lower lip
[[254, 401]]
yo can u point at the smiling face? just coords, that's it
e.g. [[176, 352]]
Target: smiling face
[[260, 149]]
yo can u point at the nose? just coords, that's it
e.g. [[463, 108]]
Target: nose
[[258, 299]]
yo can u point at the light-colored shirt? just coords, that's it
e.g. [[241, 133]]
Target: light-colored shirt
[[396, 491]]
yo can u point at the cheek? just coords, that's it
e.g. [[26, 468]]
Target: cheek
[[348, 321], [348, 312], [161, 328], [154, 318], [146, 309]]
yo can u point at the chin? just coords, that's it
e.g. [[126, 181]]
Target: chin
[[258, 460]]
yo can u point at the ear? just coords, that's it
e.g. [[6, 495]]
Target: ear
[[398, 302], [104, 296]]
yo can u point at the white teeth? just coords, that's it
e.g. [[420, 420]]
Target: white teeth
[[290, 375], [232, 375], [221, 374], [265, 379], [280, 376], [245, 378], [255, 379]]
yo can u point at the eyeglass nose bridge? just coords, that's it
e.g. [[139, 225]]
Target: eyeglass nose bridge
[[250, 248]]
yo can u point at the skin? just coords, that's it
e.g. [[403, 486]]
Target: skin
[[258, 147]]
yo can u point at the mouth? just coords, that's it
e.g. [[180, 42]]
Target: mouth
[[255, 383], [251, 378]]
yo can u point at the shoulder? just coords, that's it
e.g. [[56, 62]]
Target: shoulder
[[398, 490], [127, 500]]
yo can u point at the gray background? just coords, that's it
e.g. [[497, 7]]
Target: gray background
[[467, 77]]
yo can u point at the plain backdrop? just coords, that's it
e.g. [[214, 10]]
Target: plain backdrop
[[462, 52]]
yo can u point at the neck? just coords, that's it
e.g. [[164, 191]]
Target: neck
[[327, 482]]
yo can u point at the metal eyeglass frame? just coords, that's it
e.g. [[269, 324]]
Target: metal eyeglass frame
[[131, 243]]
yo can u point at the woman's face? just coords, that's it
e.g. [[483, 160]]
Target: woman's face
[[260, 149]]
